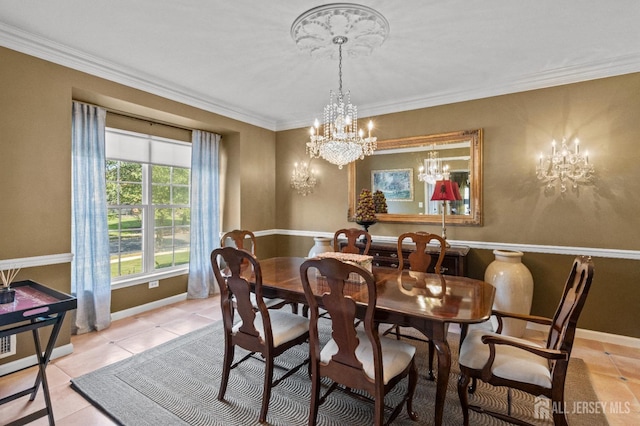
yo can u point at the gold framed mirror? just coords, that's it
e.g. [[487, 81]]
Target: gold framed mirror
[[395, 168]]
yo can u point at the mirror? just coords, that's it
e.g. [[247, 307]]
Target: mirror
[[395, 168]]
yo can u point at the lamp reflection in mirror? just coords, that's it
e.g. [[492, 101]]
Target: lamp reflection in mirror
[[564, 166], [445, 190], [303, 178]]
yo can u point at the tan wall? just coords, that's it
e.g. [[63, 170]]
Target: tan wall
[[517, 128], [35, 166]]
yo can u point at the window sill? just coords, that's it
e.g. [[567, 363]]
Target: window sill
[[142, 279]]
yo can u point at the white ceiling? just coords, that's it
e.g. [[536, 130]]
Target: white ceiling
[[237, 58]]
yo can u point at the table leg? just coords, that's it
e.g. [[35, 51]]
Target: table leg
[[444, 367], [43, 361]]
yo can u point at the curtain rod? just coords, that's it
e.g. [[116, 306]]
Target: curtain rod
[[152, 122]]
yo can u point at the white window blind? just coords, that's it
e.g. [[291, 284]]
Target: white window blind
[[127, 146]]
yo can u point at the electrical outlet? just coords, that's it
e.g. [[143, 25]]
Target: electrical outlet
[[154, 284]]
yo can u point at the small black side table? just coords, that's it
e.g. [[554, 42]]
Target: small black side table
[[35, 306]]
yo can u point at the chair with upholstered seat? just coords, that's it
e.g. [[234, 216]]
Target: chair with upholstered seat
[[237, 238], [420, 261], [354, 357], [260, 330], [520, 364], [352, 235]]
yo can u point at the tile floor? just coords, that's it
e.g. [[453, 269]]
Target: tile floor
[[614, 369]]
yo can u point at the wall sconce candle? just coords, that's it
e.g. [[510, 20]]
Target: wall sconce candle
[[564, 167], [303, 179]]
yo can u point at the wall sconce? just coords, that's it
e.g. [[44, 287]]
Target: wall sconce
[[303, 179], [564, 166]]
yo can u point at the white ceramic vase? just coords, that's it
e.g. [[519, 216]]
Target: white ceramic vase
[[514, 288], [321, 245]]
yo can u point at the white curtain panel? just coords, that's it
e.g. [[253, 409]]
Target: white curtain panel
[[205, 221], [90, 268]]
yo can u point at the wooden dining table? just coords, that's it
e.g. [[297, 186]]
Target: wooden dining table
[[426, 302]]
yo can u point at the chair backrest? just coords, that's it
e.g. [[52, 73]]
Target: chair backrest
[[331, 279], [419, 259], [573, 298], [235, 292], [238, 237], [352, 235]]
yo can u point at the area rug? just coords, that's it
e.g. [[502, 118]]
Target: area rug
[[177, 384]]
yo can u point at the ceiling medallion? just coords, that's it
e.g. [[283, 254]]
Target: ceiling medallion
[[315, 29]]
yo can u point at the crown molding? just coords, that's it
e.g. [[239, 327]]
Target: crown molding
[[40, 47], [593, 70]]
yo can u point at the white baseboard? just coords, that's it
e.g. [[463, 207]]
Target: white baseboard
[[599, 336], [148, 306], [32, 360]]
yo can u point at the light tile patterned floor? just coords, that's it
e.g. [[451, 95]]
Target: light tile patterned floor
[[614, 369]]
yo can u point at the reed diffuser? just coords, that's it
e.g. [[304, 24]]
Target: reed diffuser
[[7, 295]]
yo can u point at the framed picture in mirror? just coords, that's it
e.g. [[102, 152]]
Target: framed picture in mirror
[[395, 184]]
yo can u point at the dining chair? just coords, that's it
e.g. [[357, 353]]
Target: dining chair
[[260, 330], [355, 357], [236, 238], [517, 363], [352, 235], [420, 261]]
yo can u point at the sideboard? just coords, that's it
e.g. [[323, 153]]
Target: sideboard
[[386, 254]]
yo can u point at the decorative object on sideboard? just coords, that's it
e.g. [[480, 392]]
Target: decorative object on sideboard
[[321, 245], [514, 288], [445, 190], [318, 31], [564, 166], [366, 210], [7, 294], [303, 178]]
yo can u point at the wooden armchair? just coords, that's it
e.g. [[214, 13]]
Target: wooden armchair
[[420, 261], [353, 358], [519, 364], [260, 330], [352, 235]]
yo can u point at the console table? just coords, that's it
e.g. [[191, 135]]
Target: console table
[[35, 306], [386, 254]]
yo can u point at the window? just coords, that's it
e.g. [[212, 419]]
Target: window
[[148, 188]]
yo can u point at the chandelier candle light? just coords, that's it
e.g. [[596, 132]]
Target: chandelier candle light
[[318, 30], [303, 179], [564, 165]]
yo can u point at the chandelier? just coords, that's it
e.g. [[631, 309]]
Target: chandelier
[[340, 142], [303, 179], [319, 30], [565, 166], [433, 170]]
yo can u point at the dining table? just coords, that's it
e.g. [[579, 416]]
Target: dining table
[[427, 302]]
